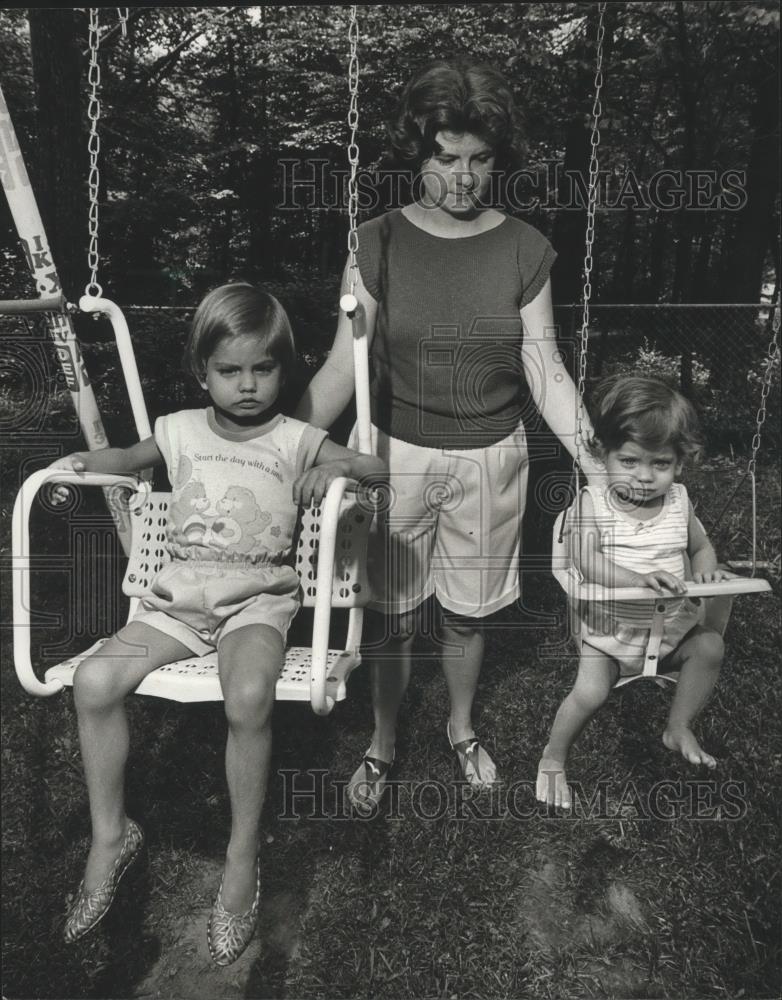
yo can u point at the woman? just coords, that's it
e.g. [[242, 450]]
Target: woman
[[455, 300]]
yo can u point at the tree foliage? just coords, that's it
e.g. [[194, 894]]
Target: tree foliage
[[206, 110]]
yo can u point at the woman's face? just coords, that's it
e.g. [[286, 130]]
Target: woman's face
[[457, 178]]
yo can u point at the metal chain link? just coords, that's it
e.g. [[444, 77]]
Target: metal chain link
[[353, 75], [123, 13], [93, 147], [772, 353], [597, 111]]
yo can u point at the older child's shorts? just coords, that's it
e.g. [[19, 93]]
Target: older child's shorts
[[452, 528], [627, 644], [199, 603]]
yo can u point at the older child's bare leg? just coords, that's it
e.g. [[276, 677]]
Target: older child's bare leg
[[100, 686], [597, 674], [250, 660], [698, 659]]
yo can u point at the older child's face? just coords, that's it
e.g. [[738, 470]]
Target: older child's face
[[639, 475], [242, 380], [457, 178]]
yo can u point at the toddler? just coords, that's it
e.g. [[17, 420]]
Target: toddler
[[637, 529]]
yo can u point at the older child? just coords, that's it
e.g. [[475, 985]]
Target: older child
[[239, 470], [637, 530]]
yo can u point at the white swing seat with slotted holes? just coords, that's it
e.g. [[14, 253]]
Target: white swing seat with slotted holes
[[316, 674], [578, 589]]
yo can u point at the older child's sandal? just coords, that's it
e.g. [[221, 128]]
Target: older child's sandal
[[89, 908], [467, 753]]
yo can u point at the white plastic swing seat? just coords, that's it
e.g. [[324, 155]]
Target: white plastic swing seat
[[578, 589], [330, 559]]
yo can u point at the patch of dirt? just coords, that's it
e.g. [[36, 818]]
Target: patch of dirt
[[555, 923], [185, 970]]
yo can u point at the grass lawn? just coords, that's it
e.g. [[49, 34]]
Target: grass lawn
[[664, 883]]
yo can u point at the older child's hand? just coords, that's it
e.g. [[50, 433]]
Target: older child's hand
[[312, 486], [658, 579]]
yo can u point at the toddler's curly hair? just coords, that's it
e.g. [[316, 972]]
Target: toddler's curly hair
[[644, 410]]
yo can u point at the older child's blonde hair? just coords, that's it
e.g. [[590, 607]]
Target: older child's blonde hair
[[648, 412], [235, 310]]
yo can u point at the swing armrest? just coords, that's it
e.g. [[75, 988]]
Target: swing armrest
[[127, 358], [320, 699], [20, 561]]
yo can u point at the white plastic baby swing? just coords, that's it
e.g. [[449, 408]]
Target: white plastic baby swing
[[565, 539], [331, 553]]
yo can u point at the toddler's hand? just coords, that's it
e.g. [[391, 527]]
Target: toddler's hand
[[658, 579], [714, 576]]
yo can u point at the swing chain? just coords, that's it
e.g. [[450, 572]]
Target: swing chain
[[594, 141], [123, 13], [353, 152], [93, 147], [772, 353]]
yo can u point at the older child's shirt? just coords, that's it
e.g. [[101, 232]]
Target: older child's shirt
[[232, 490]]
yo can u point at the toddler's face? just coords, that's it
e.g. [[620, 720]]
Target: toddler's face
[[243, 381], [641, 476], [457, 179]]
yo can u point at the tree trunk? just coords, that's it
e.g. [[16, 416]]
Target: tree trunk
[[60, 163]]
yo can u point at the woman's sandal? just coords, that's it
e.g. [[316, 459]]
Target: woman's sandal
[[370, 776], [228, 934], [467, 753], [89, 908]]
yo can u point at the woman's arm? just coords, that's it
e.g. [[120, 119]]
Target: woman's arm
[[333, 385], [552, 388], [331, 462], [113, 460]]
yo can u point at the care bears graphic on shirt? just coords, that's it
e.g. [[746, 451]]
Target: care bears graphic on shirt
[[189, 504], [238, 522]]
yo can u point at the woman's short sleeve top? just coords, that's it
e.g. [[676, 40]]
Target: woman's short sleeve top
[[446, 353]]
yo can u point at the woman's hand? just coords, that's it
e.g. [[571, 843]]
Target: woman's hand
[[75, 462]]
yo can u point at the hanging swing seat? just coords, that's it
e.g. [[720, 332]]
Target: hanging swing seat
[[572, 581], [330, 558]]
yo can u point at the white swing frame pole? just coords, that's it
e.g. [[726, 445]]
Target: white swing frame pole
[[29, 226]]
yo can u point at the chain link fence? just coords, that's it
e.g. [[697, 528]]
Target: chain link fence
[[716, 354]]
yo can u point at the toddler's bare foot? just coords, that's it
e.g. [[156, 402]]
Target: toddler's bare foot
[[683, 740], [552, 786]]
